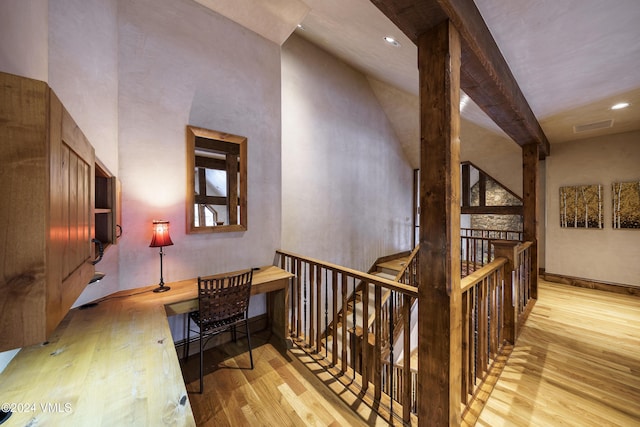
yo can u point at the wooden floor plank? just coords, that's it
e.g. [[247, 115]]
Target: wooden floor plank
[[576, 363], [280, 390]]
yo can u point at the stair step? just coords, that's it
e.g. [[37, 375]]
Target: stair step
[[392, 267], [385, 275]]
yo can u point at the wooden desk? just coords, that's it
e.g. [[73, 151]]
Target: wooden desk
[[112, 364], [271, 280]]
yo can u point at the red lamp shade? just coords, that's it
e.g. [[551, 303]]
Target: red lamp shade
[[160, 235]]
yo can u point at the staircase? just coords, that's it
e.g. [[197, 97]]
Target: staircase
[[388, 267]]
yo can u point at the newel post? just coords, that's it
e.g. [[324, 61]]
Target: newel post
[[509, 249]]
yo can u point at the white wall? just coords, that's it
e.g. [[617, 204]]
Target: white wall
[[346, 185], [72, 45], [23, 40], [606, 255], [83, 72], [83, 69], [181, 64]]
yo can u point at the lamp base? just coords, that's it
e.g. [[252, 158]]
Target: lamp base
[[162, 288]]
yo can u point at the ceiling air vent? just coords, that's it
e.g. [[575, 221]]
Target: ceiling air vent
[[604, 124]]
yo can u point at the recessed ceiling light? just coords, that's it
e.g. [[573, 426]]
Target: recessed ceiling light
[[620, 106], [392, 41]]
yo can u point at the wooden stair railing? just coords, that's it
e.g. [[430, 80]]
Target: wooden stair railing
[[393, 319], [356, 297], [496, 300], [319, 292]]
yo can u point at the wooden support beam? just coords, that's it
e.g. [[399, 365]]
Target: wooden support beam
[[485, 75], [492, 210], [439, 307], [530, 168], [466, 185], [482, 189]]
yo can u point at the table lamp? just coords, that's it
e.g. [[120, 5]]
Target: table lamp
[[161, 239]]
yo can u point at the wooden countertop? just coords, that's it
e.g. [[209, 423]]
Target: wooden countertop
[[113, 364]]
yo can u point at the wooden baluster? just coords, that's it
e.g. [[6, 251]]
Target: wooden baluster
[[406, 389], [334, 330], [326, 312], [344, 322], [493, 316], [377, 352], [364, 361], [483, 315], [354, 353], [391, 358], [466, 346], [298, 299], [312, 306], [318, 322], [305, 308]]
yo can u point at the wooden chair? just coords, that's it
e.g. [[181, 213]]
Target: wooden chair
[[223, 304]]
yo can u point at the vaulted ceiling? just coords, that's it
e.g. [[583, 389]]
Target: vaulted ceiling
[[572, 59]]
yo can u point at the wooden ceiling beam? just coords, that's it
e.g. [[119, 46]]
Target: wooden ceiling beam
[[485, 75]]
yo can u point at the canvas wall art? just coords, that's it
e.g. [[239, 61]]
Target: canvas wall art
[[626, 204], [581, 206]]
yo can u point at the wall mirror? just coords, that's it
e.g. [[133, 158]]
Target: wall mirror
[[216, 181]]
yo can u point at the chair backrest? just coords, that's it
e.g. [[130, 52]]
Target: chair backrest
[[224, 299]]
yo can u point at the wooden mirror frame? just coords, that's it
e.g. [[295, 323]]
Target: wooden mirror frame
[[194, 133]]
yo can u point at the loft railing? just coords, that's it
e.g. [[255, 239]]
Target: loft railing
[[319, 292], [475, 247], [496, 299], [495, 302], [393, 379]]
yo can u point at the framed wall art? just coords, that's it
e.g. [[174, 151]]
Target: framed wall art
[[626, 204], [581, 206]]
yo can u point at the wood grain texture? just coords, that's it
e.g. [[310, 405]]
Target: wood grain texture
[[282, 390], [485, 75], [530, 195], [114, 364], [47, 211], [592, 284], [576, 363], [439, 308]]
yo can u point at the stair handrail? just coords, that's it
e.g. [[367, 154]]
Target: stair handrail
[[413, 256], [370, 278]]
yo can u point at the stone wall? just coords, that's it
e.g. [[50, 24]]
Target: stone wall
[[496, 195]]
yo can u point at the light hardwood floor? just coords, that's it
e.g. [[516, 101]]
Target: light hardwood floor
[[280, 391], [576, 363]]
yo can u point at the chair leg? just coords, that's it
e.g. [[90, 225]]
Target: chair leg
[[185, 352], [246, 324], [201, 365]]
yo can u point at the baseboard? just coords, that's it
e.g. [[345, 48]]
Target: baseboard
[[256, 324], [591, 284]]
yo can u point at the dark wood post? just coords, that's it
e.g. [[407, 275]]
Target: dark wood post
[[508, 249], [439, 307], [530, 166]]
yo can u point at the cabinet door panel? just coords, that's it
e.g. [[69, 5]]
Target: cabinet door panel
[[72, 200]]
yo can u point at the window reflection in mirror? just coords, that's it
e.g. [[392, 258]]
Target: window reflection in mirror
[[217, 181]]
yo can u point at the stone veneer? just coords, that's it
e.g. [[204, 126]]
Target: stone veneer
[[496, 195]]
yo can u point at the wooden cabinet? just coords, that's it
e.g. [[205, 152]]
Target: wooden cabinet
[[46, 214], [107, 194]]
